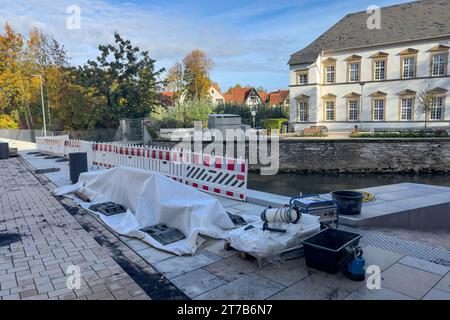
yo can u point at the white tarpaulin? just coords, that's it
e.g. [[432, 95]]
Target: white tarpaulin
[[152, 198], [265, 244]]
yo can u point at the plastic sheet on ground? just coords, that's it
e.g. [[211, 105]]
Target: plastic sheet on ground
[[152, 198], [265, 244]]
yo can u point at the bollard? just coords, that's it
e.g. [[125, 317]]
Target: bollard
[[77, 165], [4, 150]]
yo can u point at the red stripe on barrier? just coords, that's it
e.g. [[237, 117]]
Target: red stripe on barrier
[[206, 160], [160, 156], [241, 196], [126, 151], [243, 167], [154, 154], [240, 177], [229, 193], [195, 185], [205, 188], [218, 163], [230, 165], [216, 190], [168, 156]]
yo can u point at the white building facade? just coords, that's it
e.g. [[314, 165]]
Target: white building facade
[[373, 87]]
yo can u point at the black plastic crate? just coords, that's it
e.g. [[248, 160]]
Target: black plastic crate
[[324, 250]]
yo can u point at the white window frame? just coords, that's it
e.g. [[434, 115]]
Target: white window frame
[[353, 71], [406, 109], [330, 75], [379, 107], [438, 68], [409, 71], [379, 71], [330, 109], [302, 78], [353, 110], [437, 109], [302, 110]]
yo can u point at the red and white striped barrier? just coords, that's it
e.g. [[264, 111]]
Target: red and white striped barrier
[[218, 175]]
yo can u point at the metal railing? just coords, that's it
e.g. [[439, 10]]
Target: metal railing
[[222, 176]]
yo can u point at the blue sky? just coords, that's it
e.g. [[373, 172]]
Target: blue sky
[[249, 41]]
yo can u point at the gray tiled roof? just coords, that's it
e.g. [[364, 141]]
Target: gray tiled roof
[[404, 22]]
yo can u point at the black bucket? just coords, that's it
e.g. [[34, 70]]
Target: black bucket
[[350, 202]]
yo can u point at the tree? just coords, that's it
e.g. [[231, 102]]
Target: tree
[[197, 67], [174, 81], [126, 78], [424, 103]]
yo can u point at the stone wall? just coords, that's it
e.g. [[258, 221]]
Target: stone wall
[[361, 155]]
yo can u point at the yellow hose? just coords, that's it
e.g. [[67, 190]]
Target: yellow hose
[[368, 196]]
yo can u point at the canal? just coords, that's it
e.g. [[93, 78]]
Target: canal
[[292, 184]]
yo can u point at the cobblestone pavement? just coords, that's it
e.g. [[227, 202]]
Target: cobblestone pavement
[[214, 273], [39, 240]]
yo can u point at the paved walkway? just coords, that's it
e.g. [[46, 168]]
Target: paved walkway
[[214, 273], [39, 240]]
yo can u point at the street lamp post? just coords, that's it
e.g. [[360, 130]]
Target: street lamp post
[[362, 84], [42, 102]]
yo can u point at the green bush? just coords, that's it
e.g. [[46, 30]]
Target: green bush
[[7, 122], [271, 124]]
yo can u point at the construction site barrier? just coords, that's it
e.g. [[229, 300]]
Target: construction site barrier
[[218, 175]]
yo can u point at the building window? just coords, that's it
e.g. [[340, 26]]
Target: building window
[[379, 70], [407, 106], [302, 111], [378, 109], [437, 105], [438, 65], [330, 74], [353, 71], [302, 78], [353, 110], [330, 110], [409, 65]]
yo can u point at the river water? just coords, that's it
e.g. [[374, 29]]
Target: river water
[[293, 184]]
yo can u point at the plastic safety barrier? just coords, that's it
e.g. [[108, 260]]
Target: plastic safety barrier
[[218, 175]]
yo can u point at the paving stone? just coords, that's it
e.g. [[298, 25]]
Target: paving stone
[[248, 287], [436, 294], [34, 268], [425, 265], [197, 282], [444, 284], [377, 294], [408, 280], [153, 255], [232, 267], [217, 247], [176, 266], [308, 289], [380, 257], [287, 272]]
